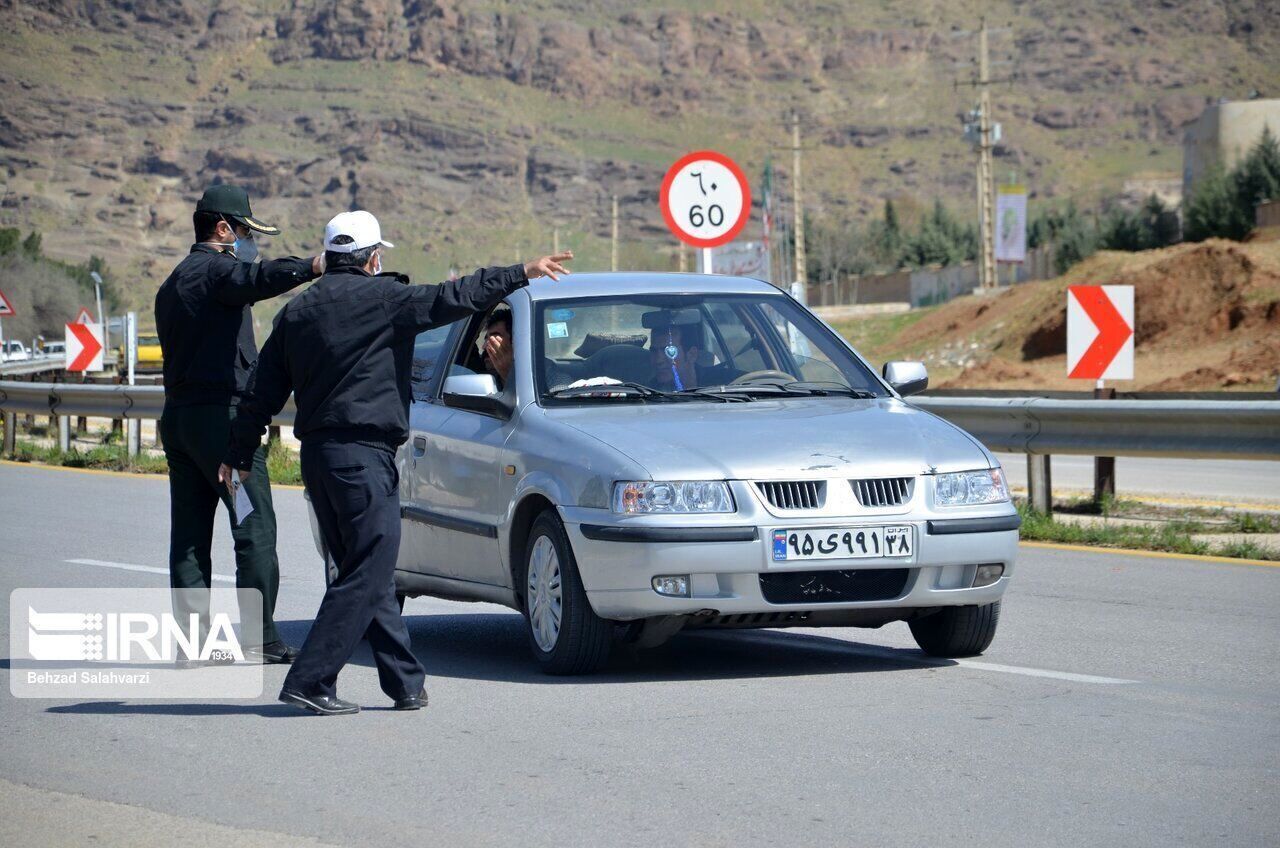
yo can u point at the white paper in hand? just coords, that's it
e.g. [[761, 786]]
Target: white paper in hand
[[243, 505]]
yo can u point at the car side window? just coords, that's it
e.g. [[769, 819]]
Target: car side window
[[428, 351], [743, 349]]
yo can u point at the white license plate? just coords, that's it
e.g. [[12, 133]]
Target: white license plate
[[841, 543]]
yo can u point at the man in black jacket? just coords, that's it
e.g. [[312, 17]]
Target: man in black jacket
[[206, 335], [344, 347]]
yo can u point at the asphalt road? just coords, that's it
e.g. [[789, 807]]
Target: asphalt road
[[1126, 700], [1225, 480]]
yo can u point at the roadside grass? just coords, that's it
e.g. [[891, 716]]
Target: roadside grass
[[1171, 536], [282, 461], [1194, 519], [108, 457]]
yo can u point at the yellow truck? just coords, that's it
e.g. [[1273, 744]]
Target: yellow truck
[[149, 356]]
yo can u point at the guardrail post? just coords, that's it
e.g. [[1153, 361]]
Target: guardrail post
[[133, 427], [10, 433], [64, 433], [1039, 483]]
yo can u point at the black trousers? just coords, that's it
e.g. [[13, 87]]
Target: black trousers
[[354, 492], [195, 441]]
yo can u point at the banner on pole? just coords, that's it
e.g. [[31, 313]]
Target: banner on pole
[[1011, 223], [740, 259]]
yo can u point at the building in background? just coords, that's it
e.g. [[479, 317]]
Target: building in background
[[1223, 134]]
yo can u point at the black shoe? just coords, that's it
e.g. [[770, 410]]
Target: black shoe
[[320, 704], [412, 702], [272, 653]]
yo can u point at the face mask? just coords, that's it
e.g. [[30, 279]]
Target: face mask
[[246, 249]]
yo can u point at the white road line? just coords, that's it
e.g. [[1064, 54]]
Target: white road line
[[146, 569], [830, 643], [1041, 672]]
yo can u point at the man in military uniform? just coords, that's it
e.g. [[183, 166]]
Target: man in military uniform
[[344, 347], [206, 336]]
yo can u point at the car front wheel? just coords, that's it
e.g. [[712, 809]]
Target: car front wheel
[[566, 635], [957, 631]]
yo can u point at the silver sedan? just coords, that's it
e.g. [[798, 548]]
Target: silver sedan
[[664, 451]]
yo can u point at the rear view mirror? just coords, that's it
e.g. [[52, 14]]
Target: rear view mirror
[[907, 378], [477, 393]]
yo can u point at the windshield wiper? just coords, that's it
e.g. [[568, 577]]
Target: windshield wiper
[[824, 387], [632, 389], [796, 388]]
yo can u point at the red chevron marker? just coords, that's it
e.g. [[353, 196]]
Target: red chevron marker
[[1108, 312], [84, 348]]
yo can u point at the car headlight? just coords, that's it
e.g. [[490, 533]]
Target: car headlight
[[645, 497], [966, 488]]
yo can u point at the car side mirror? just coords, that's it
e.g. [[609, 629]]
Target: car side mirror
[[477, 393], [907, 378]]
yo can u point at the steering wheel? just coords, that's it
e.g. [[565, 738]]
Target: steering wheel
[[768, 375]]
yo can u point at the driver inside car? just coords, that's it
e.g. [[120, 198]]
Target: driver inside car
[[673, 352]]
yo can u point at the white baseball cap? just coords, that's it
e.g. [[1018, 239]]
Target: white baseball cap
[[360, 226]]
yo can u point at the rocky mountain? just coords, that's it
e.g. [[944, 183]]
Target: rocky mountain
[[474, 128]]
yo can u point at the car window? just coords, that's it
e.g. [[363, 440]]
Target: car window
[[810, 360], [428, 348], [688, 341], [743, 348]]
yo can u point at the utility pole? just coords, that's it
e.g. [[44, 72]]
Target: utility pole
[[555, 239], [986, 181], [985, 141], [613, 253], [684, 262], [798, 210]]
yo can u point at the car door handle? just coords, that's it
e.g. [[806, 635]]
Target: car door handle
[[419, 447]]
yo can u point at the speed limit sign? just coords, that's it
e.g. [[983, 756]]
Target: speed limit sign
[[705, 200]]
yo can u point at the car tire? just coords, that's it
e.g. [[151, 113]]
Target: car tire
[[565, 634], [957, 631]]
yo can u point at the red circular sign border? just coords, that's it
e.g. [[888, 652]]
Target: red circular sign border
[[730, 234]]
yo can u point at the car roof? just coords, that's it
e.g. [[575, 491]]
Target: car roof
[[577, 285]]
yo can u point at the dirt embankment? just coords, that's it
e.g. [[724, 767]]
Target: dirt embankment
[[1207, 317]]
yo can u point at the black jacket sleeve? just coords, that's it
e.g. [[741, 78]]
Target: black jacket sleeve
[[417, 308], [268, 389], [237, 283]]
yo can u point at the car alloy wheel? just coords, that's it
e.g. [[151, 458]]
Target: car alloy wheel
[[545, 598]]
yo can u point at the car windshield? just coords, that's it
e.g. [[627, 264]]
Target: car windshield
[[688, 346]]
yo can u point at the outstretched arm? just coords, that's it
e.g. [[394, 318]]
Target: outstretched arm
[[418, 308]]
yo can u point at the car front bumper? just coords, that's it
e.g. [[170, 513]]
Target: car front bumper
[[619, 557]]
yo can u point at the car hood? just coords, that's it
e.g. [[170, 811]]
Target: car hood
[[766, 439]]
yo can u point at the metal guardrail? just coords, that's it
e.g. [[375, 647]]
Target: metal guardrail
[[1190, 429], [96, 401], [34, 365], [1205, 429]]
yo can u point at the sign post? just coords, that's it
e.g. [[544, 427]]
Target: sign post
[[133, 426], [1100, 322], [705, 201]]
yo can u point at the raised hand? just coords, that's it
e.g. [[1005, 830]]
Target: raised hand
[[548, 266]]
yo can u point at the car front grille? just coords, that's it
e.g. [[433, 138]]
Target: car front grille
[[795, 494], [883, 491], [832, 587]]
